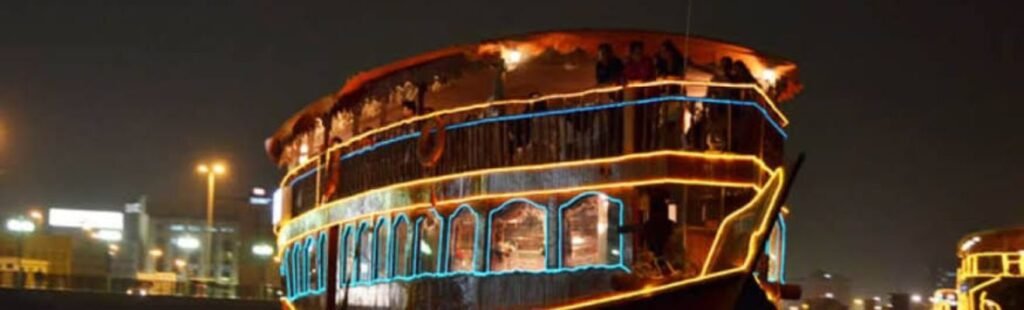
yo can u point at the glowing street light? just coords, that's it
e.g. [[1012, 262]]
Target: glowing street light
[[187, 242], [262, 250], [916, 298], [36, 215], [20, 225], [107, 235], [211, 171]]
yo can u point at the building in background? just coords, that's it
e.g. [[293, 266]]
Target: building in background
[[826, 290], [132, 250]]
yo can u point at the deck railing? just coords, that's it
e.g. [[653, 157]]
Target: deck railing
[[731, 118]]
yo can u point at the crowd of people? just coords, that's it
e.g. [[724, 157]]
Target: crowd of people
[[689, 125]]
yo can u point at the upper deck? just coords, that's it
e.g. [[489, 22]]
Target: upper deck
[[534, 159], [487, 92]]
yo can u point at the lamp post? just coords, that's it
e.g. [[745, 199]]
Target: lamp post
[[20, 227], [211, 171]]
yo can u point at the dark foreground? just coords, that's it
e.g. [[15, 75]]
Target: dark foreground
[[59, 300]]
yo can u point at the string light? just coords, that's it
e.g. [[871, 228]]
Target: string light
[[750, 159]]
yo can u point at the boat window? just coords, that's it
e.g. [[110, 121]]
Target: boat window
[[311, 264], [345, 256], [462, 240], [380, 261], [518, 237], [323, 261], [298, 268], [589, 231], [364, 255], [990, 265], [400, 246], [289, 289], [429, 242]]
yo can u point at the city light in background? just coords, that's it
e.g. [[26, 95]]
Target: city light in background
[[262, 249], [20, 225], [187, 242]]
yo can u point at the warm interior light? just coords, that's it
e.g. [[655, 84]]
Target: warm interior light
[[512, 57], [36, 214], [202, 168], [156, 252], [769, 76], [180, 263]]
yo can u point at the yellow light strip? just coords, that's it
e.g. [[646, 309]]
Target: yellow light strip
[[651, 290], [782, 117], [969, 264], [728, 219], [973, 290], [522, 194], [712, 156]]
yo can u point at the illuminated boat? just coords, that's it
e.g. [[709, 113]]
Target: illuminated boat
[[991, 272], [523, 172]]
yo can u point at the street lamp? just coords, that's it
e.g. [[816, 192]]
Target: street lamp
[[262, 250], [211, 171], [36, 215], [21, 227], [187, 242]]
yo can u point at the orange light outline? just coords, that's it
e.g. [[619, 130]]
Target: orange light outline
[[778, 173], [784, 121], [668, 153], [973, 290], [732, 216], [522, 194], [704, 276]]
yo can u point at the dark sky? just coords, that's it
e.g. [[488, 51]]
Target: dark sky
[[910, 116]]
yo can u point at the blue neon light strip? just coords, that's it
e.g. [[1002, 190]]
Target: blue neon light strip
[[323, 260], [401, 219], [357, 259], [439, 246], [782, 258], [382, 224], [573, 111], [302, 176], [443, 253]]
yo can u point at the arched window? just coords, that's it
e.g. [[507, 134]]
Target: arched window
[[298, 268], [364, 253], [346, 248], [428, 257], [589, 225], [463, 239], [324, 261], [312, 273], [401, 244], [380, 254], [285, 272], [518, 236]]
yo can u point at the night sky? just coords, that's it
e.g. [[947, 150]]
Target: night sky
[[910, 116]]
